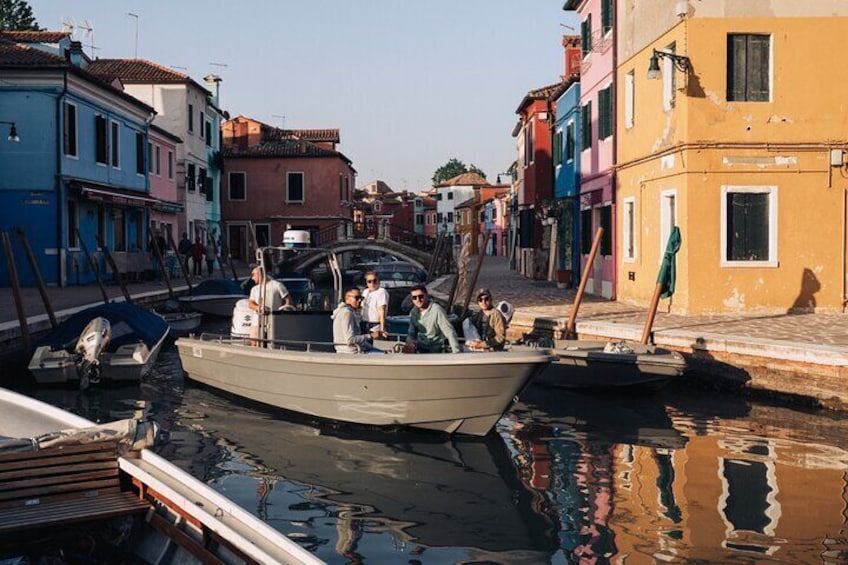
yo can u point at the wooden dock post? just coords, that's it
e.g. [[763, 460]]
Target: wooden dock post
[[16, 290]]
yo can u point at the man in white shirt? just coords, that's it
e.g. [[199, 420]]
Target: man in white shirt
[[375, 304], [266, 297]]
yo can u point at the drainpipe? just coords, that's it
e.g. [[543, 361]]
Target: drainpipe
[[614, 176], [844, 259], [60, 193]]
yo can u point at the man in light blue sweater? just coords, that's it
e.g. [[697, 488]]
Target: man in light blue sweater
[[346, 334], [429, 326]]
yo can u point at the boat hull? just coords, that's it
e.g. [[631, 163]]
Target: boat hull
[[585, 365], [128, 363], [453, 393]]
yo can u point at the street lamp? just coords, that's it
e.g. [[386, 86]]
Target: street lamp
[[680, 62], [13, 131]]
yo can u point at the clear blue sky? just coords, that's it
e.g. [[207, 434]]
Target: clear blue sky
[[408, 83]]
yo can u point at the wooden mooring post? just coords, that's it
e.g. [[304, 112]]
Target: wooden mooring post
[[16, 290]]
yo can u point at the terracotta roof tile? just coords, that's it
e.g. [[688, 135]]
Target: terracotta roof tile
[[35, 36], [549, 92], [324, 135], [15, 55], [284, 148], [465, 179], [135, 70]]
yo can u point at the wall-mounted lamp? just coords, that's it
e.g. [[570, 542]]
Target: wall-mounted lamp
[[13, 131], [680, 62], [498, 179]]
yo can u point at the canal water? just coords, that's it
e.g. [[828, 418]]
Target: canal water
[[680, 476]]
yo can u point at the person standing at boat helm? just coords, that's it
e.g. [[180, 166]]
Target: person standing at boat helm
[[485, 328], [375, 303], [429, 326], [267, 295], [346, 335]]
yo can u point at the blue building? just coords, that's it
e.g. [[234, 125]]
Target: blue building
[[80, 167], [566, 159]]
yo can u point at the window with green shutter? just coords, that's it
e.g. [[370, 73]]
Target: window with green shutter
[[747, 226], [606, 223], [569, 142], [748, 67], [605, 112], [586, 35], [558, 148], [585, 231], [586, 126], [606, 16]]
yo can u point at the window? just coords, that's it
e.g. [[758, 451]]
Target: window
[[201, 180], [439, 218], [557, 150], [526, 225], [170, 164], [158, 160], [605, 113], [748, 67], [115, 144], [529, 142], [191, 117], [149, 157], [450, 217], [450, 195], [605, 221], [294, 187], [419, 219], [438, 196], [73, 223], [101, 154], [202, 123], [629, 229], [629, 99], [139, 153], [606, 16], [263, 234], [238, 186], [569, 142], [210, 188], [341, 187], [749, 230], [586, 126], [669, 79], [119, 229], [208, 134], [70, 129], [190, 177], [668, 217], [586, 35]]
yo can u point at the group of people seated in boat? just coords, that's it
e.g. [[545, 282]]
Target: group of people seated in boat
[[361, 318]]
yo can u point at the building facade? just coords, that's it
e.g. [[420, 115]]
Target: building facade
[[739, 142]]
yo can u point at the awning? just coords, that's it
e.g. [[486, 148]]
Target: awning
[[168, 207], [111, 195]]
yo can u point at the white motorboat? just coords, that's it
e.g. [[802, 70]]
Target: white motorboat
[[182, 323], [115, 341], [215, 297], [605, 365], [463, 393], [94, 494]]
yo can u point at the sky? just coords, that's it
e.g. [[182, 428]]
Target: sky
[[409, 84]]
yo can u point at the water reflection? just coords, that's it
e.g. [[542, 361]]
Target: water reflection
[[681, 477]]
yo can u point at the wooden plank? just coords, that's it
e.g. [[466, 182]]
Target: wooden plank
[[8, 480], [61, 497], [43, 491], [119, 504], [100, 446]]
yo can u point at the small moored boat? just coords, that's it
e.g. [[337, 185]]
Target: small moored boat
[[600, 364], [215, 297], [94, 494], [115, 341]]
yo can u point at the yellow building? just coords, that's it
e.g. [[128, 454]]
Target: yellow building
[[741, 139]]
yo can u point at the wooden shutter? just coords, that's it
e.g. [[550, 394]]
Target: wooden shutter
[[586, 126], [100, 153], [758, 68], [606, 16], [737, 67], [748, 226], [606, 223]]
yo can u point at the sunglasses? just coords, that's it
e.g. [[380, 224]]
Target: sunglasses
[[484, 299], [357, 297], [418, 296], [369, 281]]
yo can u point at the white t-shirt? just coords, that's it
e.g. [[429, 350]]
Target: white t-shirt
[[275, 293], [372, 300]]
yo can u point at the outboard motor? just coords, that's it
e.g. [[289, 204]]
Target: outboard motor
[[90, 346], [506, 309]]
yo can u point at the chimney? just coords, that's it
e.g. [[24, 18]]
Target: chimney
[[573, 55], [75, 56]]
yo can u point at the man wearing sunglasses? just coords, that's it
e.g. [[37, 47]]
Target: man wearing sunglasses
[[375, 302], [485, 328], [428, 325], [346, 336]]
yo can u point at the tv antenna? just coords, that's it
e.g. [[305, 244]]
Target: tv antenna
[[88, 34], [135, 16], [282, 119]]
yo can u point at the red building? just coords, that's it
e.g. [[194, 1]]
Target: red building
[[278, 179]]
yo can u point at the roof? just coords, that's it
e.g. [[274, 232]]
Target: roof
[[166, 134], [139, 71], [466, 203], [549, 92], [283, 148], [27, 36], [18, 56], [465, 179], [323, 135]]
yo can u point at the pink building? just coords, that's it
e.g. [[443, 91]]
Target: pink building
[[162, 149], [597, 157], [279, 179]]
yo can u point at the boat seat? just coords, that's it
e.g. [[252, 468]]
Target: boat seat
[[63, 485]]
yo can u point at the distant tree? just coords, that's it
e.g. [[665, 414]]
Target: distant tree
[[453, 168], [16, 15]]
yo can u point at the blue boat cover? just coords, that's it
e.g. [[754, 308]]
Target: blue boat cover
[[129, 324], [218, 287]]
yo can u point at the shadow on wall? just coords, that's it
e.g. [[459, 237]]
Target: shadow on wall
[[806, 300]]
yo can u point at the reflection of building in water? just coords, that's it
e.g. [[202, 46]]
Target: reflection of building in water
[[732, 491]]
